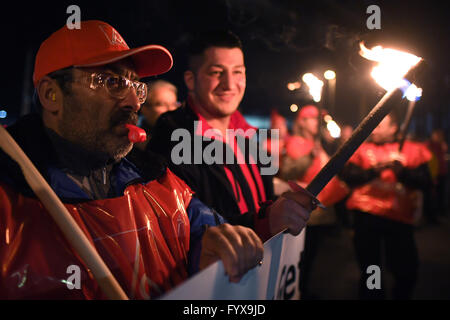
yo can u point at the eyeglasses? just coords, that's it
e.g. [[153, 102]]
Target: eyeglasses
[[117, 86]]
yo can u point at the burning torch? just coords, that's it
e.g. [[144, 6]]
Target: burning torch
[[393, 66], [315, 86], [412, 94], [332, 127]]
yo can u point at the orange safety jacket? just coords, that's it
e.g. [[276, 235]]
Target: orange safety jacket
[[385, 196], [143, 237]]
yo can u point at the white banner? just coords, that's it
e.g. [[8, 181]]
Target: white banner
[[288, 279], [276, 278]]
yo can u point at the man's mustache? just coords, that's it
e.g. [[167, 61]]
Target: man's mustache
[[123, 117]]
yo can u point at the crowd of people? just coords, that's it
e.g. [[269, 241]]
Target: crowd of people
[[384, 191], [156, 222]]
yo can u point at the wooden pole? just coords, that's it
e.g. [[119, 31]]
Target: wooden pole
[[405, 125], [63, 219], [365, 128]]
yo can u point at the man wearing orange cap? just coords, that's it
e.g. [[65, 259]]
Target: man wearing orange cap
[[148, 229]]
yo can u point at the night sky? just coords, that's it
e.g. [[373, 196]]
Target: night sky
[[282, 40]]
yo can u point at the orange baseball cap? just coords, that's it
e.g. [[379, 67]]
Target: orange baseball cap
[[308, 111], [95, 44]]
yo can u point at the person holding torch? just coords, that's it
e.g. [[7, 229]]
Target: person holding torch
[[146, 232], [384, 180], [234, 183], [304, 158]]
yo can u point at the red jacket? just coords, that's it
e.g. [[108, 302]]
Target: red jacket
[[297, 147], [385, 196], [143, 237]]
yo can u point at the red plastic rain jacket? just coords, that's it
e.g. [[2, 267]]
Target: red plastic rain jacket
[[148, 234], [385, 196]]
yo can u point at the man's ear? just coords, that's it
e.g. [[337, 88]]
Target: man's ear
[[189, 80], [50, 95]]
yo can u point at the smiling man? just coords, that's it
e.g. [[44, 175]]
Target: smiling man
[[233, 186], [148, 229], [217, 84]]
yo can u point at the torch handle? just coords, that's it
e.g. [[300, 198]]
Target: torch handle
[[338, 160], [405, 126], [381, 109], [63, 219]]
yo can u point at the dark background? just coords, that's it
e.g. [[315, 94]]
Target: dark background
[[282, 40]]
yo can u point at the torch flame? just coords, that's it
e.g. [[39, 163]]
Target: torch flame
[[332, 127], [392, 65], [413, 93], [314, 84]]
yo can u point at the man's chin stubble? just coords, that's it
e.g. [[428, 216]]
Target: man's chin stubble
[[118, 153]]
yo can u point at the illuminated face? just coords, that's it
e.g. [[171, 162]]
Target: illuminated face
[[160, 100], [384, 132], [219, 82], [280, 125], [94, 119], [310, 125]]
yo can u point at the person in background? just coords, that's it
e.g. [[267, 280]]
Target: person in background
[[161, 97], [384, 181], [304, 158], [278, 122], [438, 146], [346, 133], [344, 216]]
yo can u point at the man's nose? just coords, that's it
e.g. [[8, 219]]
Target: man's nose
[[227, 80], [131, 100]]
